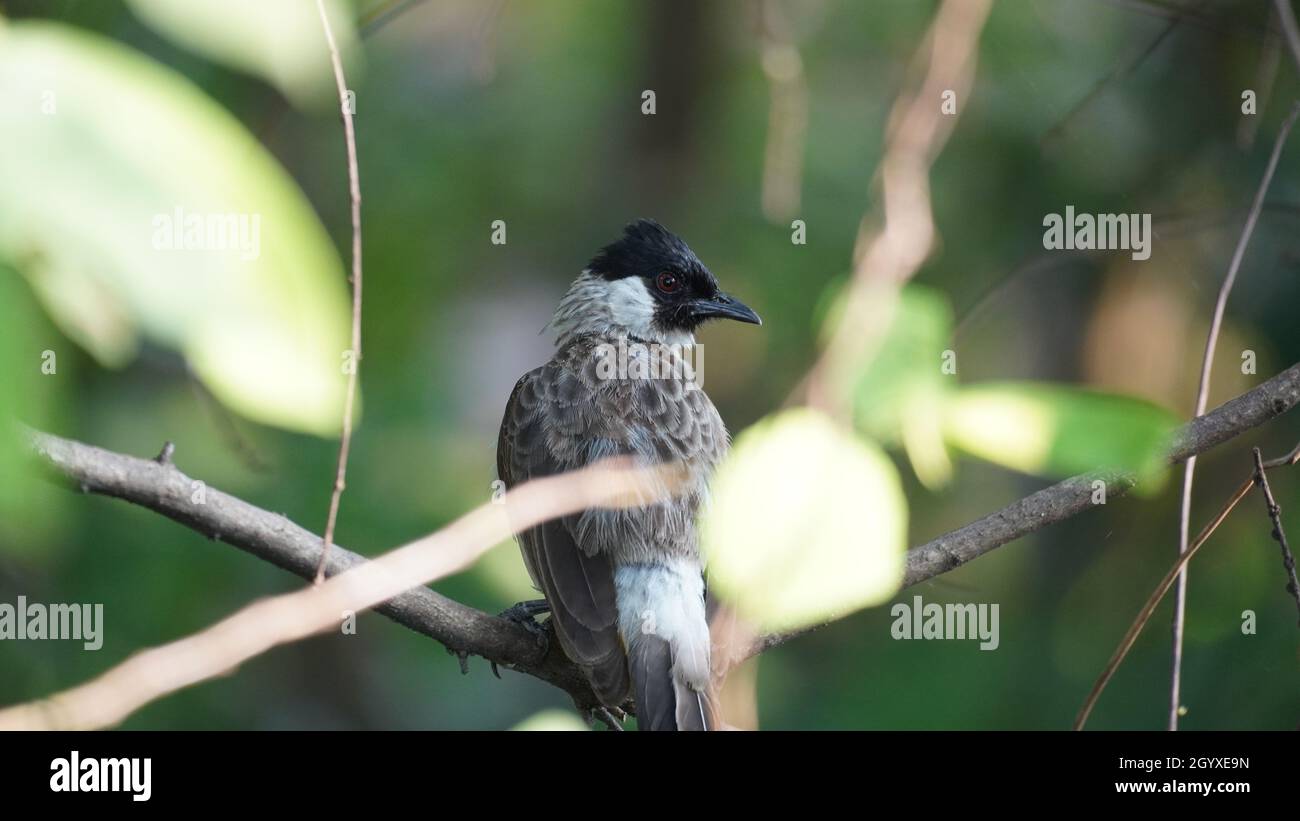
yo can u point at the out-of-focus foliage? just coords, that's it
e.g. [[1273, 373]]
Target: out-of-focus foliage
[[1056, 430], [134, 205], [551, 721], [781, 550], [470, 112], [280, 42], [898, 393], [909, 394], [32, 393], [908, 367]]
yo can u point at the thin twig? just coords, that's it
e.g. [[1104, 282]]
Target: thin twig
[[226, 426], [1168, 226], [1275, 513], [1259, 477], [1116, 74], [1289, 459], [375, 19], [1218, 24], [1144, 615], [1289, 28], [1202, 396], [787, 121], [354, 190], [1270, 58], [896, 238]]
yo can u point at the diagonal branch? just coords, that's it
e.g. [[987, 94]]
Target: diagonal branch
[[1073, 496], [108, 699], [163, 488]]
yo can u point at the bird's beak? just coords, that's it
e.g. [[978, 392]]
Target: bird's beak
[[725, 306]]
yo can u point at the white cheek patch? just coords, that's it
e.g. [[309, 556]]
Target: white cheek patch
[[631, 306], [596, 305]]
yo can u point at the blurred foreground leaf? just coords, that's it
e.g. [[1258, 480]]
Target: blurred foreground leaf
[[550, 721], [807, 522], [898, 393], [134, 204], [34, 382], [898, 397], [1057, 430], [282, 42], [908, 363]]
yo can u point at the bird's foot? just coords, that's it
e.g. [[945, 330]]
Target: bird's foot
[[611, 717], [525, 615]]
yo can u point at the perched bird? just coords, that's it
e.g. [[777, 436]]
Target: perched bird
[[625, 588]]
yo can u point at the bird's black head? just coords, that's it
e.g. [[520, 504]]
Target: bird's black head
[[682, 292]]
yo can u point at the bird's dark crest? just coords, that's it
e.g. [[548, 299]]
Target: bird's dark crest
[[646, 249]]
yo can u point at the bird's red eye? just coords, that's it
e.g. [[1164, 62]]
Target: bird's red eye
[[668, 283]]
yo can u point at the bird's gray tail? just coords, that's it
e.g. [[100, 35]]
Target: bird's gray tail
[[661, 618], [663, 700]]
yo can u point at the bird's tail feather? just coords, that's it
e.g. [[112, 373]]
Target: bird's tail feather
[[696, 709], [665, 700], [651, 661], [661, 618]]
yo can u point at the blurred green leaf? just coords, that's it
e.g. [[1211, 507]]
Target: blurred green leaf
[[908, 361], [807, 522], [551, 721], [898, 397], [1057, 430], [34, 382], [922, 428], [105, 151], [282, 42]]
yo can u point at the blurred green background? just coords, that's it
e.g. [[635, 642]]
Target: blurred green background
[[470, 112]]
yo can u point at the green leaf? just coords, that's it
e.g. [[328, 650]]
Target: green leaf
[[103, 149], [282, 42], [551, 721], [807, 522], [33, 395], [1058, 430], [898, 397]]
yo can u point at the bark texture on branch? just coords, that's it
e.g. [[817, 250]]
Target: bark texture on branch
[[160, 486], [1074, 495], [163, 488]]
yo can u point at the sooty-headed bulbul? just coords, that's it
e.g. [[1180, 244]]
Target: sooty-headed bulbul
[[625, 587]]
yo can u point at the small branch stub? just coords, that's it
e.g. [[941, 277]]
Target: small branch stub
[[164, 456]]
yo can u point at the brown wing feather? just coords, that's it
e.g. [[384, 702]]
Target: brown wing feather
[[579, 586]]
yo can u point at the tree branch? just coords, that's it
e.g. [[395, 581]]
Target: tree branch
[[1074, 495], [164, 489]]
